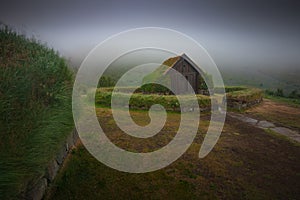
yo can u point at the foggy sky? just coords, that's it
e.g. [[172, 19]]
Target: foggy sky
[[236, 33]]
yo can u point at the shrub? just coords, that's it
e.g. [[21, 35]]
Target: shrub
[[202, 83], [279, 92], [269, 92], [106, 81], [155, 88]]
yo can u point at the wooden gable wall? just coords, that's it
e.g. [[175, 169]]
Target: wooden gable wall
[[189, 72]]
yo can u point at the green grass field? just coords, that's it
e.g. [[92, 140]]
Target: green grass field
[[246, 163]]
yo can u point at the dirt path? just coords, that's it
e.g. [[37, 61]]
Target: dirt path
[[280, 114], [263, 124], [277, 117]]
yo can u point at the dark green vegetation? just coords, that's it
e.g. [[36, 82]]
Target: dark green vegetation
[[234, 88], [246, 163], [106, 81], [293, 96], [35, 110], [145, 101]]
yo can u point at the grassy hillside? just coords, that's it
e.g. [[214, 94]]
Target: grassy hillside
[[35, 110], [285, 78]]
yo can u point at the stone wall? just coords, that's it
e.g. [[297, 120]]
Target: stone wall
[[240, 104], [38, 189]]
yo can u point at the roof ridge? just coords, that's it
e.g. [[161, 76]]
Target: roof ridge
[[177, 59]]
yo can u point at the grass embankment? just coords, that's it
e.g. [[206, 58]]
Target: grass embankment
[[170, 102], [243, 94], [145, 101], [35, 107]]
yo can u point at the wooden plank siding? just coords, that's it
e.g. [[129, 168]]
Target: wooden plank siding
[[189, 72]]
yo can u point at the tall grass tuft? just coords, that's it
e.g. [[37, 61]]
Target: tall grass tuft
[[35, 110]]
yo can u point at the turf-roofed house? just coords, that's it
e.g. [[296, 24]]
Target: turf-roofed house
[[187, 68]]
